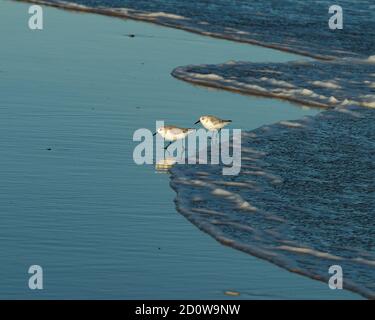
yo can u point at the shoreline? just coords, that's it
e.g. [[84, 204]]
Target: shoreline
[[140, 16], [179, 74], [122, 164], [186, 206], [334, 87]]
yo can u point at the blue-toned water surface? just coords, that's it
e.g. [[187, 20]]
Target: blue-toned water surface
[[100, 226]]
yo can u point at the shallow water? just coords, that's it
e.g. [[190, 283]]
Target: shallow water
[[301, 26], [304, 198], [101, 226], [324, 84]]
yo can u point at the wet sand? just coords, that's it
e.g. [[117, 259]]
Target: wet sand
[[71, 198]]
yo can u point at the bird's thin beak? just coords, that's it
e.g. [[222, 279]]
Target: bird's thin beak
[[197, 122], [154, 134]]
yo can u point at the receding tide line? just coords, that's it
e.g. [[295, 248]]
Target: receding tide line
[[254, 251], [282, 263], [181, 73], [320, 84], [156, 19]]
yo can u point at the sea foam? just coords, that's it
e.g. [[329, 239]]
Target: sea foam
[[315, 83], [304, 199], [292, 25]]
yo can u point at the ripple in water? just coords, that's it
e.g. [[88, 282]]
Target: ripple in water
[[305, 196], [304, 200], [292, 25]]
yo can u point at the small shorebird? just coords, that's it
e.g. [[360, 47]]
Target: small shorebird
[[212, 123], [172, 133]]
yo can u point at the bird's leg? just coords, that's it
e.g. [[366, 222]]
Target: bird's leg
[[165, 148]]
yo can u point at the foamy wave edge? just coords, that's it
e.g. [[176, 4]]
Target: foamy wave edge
[[179, 73], [186, 207], [167, 20], [341, 82]]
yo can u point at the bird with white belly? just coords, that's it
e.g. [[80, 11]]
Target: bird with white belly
[[173, 133], [212, 123]]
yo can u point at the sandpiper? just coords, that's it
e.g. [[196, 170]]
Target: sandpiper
[[173, 133], [212, 123]]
